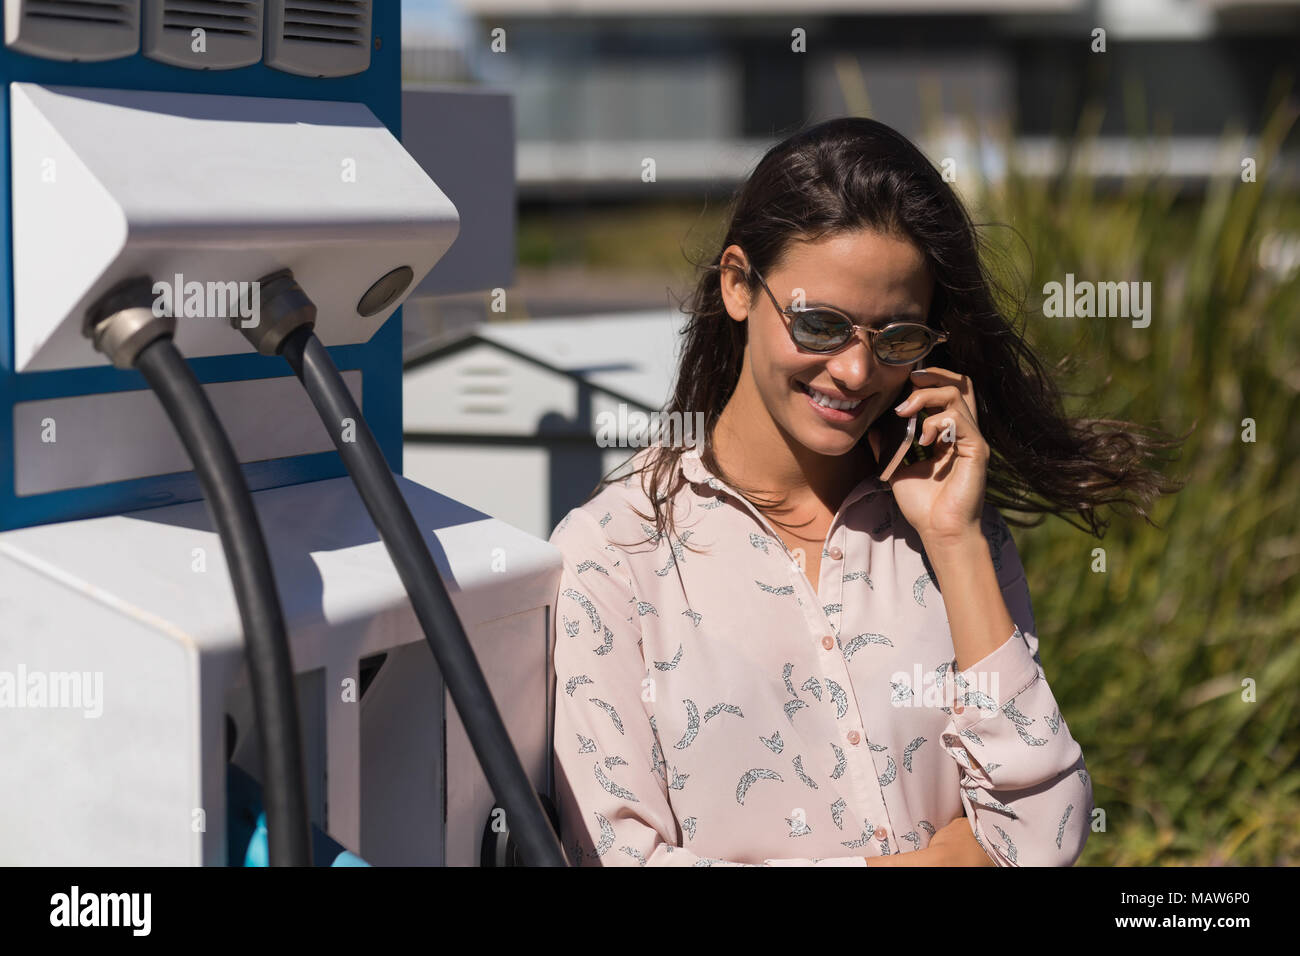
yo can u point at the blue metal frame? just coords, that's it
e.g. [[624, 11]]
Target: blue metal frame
[[379, 360]]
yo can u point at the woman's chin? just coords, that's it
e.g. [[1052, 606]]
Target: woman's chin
[[832, 446]]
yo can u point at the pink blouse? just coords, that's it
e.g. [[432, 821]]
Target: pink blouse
[[713, 709]]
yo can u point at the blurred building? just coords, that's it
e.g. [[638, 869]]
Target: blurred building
[[704, 86]]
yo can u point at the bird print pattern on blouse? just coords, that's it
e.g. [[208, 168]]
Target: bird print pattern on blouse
[[716, 710]]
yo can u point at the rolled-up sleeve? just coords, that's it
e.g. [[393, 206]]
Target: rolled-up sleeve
[[1024, 784], [610, 771]]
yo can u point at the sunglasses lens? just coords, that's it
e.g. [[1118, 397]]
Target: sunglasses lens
[[820, 331], [902, 344]]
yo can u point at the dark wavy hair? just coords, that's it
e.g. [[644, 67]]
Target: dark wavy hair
[[853, 173]]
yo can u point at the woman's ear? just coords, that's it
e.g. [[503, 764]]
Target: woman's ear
[[734, 268]]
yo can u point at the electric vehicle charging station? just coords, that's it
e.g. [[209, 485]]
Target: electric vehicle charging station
[[206, 147]]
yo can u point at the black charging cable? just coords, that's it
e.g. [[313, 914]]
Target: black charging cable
[[285, 327], [123, 327]]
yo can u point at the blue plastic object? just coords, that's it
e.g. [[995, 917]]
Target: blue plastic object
[[246, 828], [322, 848]]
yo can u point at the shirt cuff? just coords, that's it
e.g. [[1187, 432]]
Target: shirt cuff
[[981, 689]]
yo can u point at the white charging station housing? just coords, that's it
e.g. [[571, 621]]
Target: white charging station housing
[[110, 184], [391, 771]]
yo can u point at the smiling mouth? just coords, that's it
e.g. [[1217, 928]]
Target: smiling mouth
[[825, 401]]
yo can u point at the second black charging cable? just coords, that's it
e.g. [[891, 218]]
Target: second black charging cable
[[285, 327]]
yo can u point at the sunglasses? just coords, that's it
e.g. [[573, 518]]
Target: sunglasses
[[824, 330]]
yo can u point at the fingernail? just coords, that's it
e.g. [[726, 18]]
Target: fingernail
[[899, 407]]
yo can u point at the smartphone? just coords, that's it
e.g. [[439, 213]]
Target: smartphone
[[898, 437]]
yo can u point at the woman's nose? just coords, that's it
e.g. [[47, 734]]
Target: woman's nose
[[857, 364]]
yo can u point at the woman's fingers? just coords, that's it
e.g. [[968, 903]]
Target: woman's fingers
[[941, 427], [946, 387], [949, 425], [951, 401], [931, 397]]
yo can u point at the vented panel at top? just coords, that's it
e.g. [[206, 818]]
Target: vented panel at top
[[203, 34], [73, 29], [318, 37]]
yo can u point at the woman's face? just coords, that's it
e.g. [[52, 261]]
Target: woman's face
[[873, 278]]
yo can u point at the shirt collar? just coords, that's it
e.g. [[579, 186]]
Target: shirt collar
[[693, 467]]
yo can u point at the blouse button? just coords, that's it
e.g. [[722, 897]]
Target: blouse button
[[853, 737], [880, 833], [836, 553], [828, 642]]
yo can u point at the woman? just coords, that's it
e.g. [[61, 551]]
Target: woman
[[799, 663]]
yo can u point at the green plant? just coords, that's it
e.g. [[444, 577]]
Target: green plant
[[1152, 658]]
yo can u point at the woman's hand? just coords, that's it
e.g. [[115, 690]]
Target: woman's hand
[[942, 497], [953, 845], [956, 843]]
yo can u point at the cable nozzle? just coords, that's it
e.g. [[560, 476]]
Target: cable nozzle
[[122, 322], [284, 308]]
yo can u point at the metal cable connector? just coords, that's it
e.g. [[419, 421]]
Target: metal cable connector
[[284, 308], [122, 322]]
